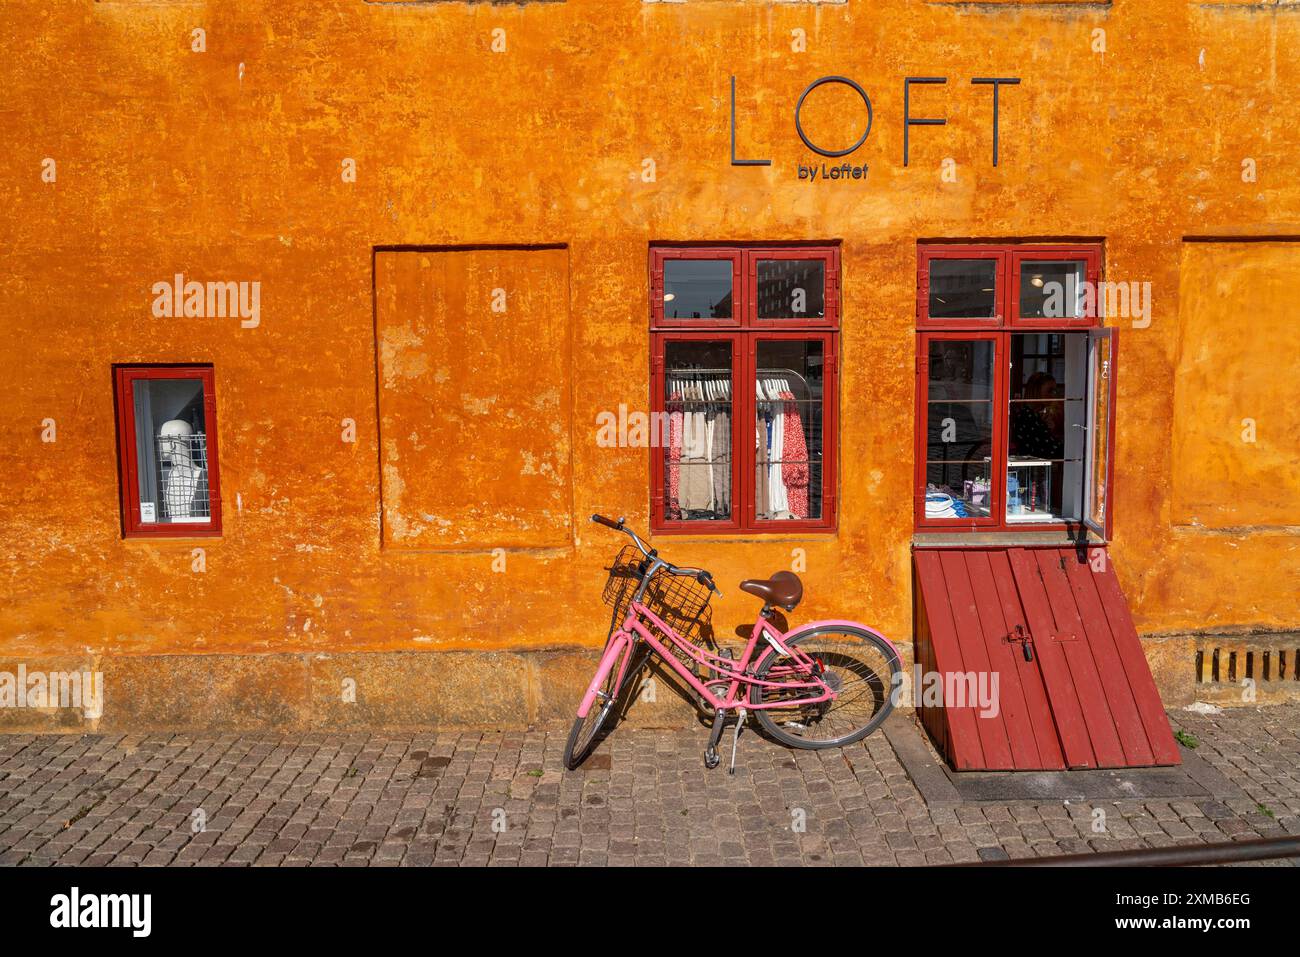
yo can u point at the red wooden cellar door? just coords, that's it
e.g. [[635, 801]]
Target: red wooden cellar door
[[1051, 633]]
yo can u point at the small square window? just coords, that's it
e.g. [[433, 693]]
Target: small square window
[[167, 450], [698, 289], [791, 288], [1052, 289], [963, 289]]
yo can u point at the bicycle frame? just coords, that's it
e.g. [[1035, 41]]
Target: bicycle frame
[[622, 643]]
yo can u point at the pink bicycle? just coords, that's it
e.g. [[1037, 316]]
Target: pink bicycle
[[824, 685]]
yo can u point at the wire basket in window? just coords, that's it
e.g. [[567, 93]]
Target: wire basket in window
[[183, 477], [681, 602]]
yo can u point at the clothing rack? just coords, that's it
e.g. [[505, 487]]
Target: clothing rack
[[785, 373], [798, 500]]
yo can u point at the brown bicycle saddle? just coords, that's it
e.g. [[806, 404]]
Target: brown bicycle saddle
[[783, 589]]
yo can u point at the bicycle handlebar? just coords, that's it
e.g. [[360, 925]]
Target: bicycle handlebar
[[699, 574]]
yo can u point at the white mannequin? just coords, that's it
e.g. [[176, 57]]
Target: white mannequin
[[182, 474]]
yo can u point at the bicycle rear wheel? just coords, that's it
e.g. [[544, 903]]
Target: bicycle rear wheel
[[585, 733], [858, 666]]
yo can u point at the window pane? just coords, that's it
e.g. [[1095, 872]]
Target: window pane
[[1051, 290], [697, 289], [697, 459], [959, 428], [788, 429], [791, 289], [963, 288], [171, 444], [1046, 431]]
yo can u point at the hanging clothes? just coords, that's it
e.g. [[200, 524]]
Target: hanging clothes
[[721, 458], [696, 482], [777, 496], [710, 426], [794, 465], [672, 505]]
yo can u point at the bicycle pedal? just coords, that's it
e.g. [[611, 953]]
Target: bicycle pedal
[[711, 758]]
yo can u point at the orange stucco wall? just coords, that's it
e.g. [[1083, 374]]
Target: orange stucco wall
[[227, 165]]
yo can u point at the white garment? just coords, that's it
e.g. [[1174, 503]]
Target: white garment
[[776, 490], [708, 454], [696, 487]]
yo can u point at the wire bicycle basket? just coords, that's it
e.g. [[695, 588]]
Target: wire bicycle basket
[[681, 602]]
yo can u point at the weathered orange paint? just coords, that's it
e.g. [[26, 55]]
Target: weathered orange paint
[[227, 165]]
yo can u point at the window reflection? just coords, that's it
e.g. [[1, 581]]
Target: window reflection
[[791, 288], [697, 289], [959, 428], [1051, 290], [963, 288], [1046, 427]]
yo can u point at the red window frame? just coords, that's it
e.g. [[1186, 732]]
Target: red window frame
[[1000, 329], [658, 403], [744, 334], [830, 317], [124, 379], [830, 429], [929, 254], [661, 255], [1089, 255], [744, 289], [997, 450], [1008, 258]]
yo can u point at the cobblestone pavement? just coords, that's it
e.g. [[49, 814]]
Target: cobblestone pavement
[[644, 798]]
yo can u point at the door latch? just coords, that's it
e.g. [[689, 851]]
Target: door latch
[[1024, 641]]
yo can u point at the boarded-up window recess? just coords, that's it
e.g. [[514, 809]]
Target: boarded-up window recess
[[474, 381], [1261, 660], [1256, 481], [1074, 689]]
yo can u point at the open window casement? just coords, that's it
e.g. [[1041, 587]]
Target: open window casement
[[1101, 432]]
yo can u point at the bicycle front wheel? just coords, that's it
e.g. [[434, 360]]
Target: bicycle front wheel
[[604, 688], [858, 666]]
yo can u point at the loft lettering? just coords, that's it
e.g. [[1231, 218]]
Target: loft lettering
[[909, 121]]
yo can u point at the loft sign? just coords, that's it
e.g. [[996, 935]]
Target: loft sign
[[826, 172]]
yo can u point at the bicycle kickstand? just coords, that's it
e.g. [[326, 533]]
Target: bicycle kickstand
[[711, 758], [735, 739]]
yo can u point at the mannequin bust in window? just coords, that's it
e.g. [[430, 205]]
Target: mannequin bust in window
[[180, 474]]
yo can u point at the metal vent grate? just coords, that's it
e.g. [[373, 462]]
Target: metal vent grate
[[1230, 663]]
